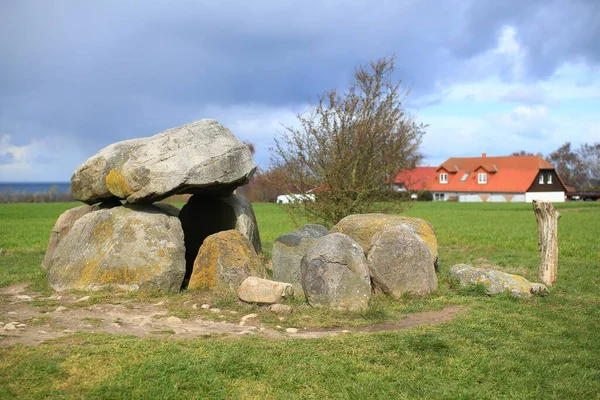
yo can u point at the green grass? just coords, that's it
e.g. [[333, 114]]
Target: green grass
[[547, 347]]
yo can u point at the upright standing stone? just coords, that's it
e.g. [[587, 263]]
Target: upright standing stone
[[334, 274], [400, 262], [288, 251], [200, 157], [129, 247], [362, 227], [224, 260]]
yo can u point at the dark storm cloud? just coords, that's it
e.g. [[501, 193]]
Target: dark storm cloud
[[107, 71]]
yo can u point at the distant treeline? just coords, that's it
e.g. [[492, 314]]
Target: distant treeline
[[52, 195]]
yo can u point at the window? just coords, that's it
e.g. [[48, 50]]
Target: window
[[541, 180], [443, 178], [464, 177], [481, 178], [549, 180]]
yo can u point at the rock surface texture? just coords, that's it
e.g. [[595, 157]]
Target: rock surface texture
[[495, 281], [127, 247], [63, 225], [334, 274], [203, 216], [200, 157], [224, 260], [362, 228], [264, 291], [288, 251], [400, 263]]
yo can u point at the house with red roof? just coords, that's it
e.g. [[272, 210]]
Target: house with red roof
[[480, 179], [414, 180], [497, 179]]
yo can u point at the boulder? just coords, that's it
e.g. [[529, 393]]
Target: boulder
[[288, 251], [202, 216], [224, 260], [200, 157], [495, 281], [400, 262], [264, 291], [128, 247], [362, 227], [334, 274], [65, 222]]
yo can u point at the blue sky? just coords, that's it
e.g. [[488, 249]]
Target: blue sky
[[486, 76]]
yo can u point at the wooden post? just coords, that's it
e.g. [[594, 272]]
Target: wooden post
[[547, 222]]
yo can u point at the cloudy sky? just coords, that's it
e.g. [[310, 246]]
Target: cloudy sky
[[486, 76]]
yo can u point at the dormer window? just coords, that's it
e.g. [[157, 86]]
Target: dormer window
[[481, 178], [443, 178], [541, 179], [549, 181]]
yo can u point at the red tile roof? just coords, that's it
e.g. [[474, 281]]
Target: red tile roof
[[512, 174], [417, 178]]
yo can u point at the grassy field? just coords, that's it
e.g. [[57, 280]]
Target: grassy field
[[499, 348]]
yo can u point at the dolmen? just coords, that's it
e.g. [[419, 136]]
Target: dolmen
[[125, 238]]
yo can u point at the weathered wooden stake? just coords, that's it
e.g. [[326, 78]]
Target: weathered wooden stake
[[547, 221]]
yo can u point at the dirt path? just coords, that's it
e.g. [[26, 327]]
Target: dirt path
[[24, 323]]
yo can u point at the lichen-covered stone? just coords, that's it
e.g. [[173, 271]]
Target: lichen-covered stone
[[495, 281], [400, 262], [65, 222], [288, 251], [334, 274], [362, 227], [224, 260], [202, 216], [264, 291], [200, 157], [128, 247]]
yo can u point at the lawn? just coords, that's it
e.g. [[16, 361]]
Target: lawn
[[498, 347]]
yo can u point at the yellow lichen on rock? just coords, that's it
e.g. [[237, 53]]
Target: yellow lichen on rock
[[362, 228], [117, 184], [224, 260]]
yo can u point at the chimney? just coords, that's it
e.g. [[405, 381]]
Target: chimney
[[483, 155]]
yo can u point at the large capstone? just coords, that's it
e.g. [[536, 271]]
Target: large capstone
[[224, 260], [203, 216], [288, 251], [362, 227], [128, 247], [334, 274], [200, 157], [400, 263]]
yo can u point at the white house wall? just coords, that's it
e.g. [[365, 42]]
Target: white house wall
[[556, 197], [481, 197]]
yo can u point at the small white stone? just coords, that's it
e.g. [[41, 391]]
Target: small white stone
[[68, 331], [160, 303], [10, 327], [60, 308], [84, 298], [12, 312], [345, 331], [291, 330], [173, 320], [278, 327], [246, 333], [23, 297], [206, 306], [245, 318], [215, 310], [195, 306], [262, 329], [21, 325]]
